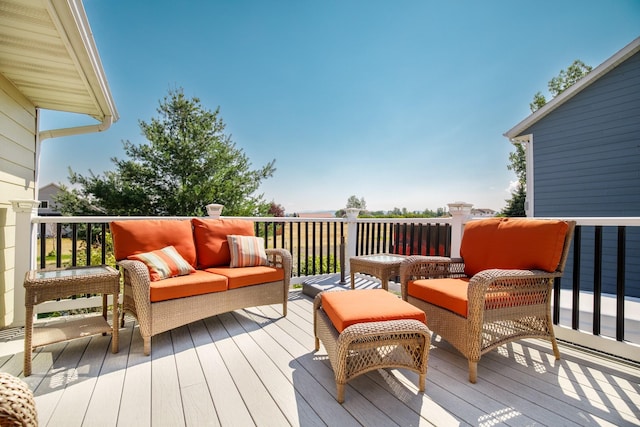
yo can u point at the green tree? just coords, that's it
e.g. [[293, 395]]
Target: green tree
[[563, 81], [517, 159], [275, 209], [187, 163]]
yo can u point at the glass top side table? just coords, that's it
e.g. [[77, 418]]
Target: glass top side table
[[45, 285], [381, 266]]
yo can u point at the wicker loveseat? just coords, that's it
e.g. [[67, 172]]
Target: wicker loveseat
[[180, 271], [499, 291]]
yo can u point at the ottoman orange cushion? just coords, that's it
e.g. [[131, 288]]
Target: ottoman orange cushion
[[347, 308]]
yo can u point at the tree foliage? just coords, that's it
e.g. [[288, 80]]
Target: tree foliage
[[276, 209], [563, 81], [517, 159], [187, 162]]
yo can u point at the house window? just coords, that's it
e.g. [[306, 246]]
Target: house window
[[44, 204]]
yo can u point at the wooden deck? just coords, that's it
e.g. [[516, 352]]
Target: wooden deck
[[254, 367]]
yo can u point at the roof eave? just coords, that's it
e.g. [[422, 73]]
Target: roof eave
[[587, 80], [82, 45]]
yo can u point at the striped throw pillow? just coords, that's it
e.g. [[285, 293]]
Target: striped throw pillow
[[164, 263], [247, 251]]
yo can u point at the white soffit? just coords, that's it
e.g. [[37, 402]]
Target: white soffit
[[48, 53]]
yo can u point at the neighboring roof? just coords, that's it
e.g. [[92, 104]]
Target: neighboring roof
[[625, 53], [52, 185], [48, 53]]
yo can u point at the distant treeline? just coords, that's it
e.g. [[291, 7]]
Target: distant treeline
[[399, 213]]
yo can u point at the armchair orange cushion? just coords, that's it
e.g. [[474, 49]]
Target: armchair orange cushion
[[211, 242], [447, 293], [512, 243], [346, 308], [139, 236]]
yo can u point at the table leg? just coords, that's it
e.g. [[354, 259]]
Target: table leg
[[114, 326], [28, 338]]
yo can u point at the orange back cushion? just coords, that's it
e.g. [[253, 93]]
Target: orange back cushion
[[512, 243], [212, 246], [138, 236]]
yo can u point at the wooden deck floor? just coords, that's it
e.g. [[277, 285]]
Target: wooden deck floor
[[254, 367]]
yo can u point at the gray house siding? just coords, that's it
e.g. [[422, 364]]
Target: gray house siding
[[586, 160]]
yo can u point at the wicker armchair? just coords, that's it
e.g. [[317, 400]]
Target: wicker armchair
[[499, 291]]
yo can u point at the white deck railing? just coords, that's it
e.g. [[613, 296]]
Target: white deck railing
[[588, 302]]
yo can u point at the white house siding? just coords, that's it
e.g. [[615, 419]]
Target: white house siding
[[17, 181], [586, 158]]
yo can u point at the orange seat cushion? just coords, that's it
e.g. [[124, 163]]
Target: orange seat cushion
[[248, 276], [198, 283], [346, 308], [450, 294], [512, 243], [211, 239], [138, 236]]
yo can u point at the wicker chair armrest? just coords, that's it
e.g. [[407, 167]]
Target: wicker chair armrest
[[136, 275], [281, 258], [505, 282], [422, 267]]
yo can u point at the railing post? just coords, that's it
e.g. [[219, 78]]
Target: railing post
[[24, 256], [352, 232], [214, 210], [460, 213]]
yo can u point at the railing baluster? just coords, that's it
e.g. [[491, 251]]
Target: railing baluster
[[299, 246], [321, 236], [43, 245], [104, 243], [58, 245], [597, 280], [74, 244], [89, 240], [620, 282], [575, 304]]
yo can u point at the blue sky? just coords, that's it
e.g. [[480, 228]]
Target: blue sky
[[403, 103]]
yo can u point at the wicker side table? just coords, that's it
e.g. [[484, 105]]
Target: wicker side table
[[381, 266], [44, 285]]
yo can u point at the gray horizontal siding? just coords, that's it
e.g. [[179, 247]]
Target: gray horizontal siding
[[587, 163], [587, 151]]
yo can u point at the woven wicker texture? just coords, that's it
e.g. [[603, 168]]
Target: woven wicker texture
[[364, 347], [17, 407], [50, 284], [503, 305], [381, 266], [158, 317]]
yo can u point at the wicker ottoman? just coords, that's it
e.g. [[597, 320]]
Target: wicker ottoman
[[17, 407], [364, 330]]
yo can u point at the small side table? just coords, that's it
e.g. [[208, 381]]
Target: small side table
[[381, 266], [44, 285]]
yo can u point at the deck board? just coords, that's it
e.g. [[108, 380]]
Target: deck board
[[255, 367]]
